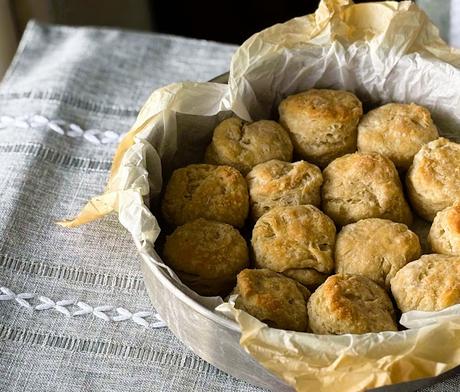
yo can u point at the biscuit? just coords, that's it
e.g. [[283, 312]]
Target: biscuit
[[243, 145], [444, 235], [322, 123], [276, 183], [428, 284], [207, 256], [272, 298], [350, 304], [433, 180], [375, 248], [217, 193], [363, 185], [397, 131], [295, 238]]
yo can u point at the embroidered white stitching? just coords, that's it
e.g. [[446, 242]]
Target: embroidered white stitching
[[39, 122], [21, 299], [104, 312]]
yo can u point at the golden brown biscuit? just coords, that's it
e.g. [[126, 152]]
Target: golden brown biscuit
[[444, 236], [430, 283], [433, 180], [295, 238], [272, 298], [363, 185], [243, 145], [276, 183], [397, 131], [217, 193], [350, 304], [375, 248], [207, 256], [322, 123]]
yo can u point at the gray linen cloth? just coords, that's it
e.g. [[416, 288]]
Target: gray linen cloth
[[74, 314]]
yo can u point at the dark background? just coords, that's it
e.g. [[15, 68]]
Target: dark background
[[225, 21]]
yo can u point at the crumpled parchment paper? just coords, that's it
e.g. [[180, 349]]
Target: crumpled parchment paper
[[383, 52]]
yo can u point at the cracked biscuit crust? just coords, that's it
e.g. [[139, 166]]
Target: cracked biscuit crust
[[322, 123], [350, 304], [295, 238], [397, 131], [433, 180], [217, 193], [272, 298], [363, 185], [276, 183], [207, 255], [375, 248], [243, 145], [444, 236], [429, 284]]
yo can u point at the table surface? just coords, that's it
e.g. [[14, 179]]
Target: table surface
[[74, 313]]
